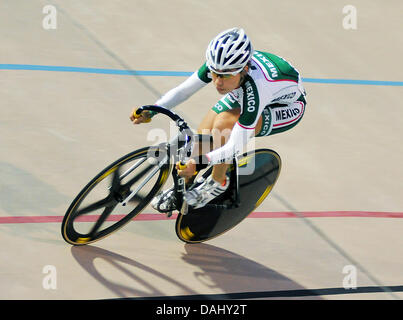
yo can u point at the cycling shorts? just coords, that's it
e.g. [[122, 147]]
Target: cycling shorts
[[277, 117]]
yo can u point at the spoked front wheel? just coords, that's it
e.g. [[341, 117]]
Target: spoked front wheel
[[124, 188]]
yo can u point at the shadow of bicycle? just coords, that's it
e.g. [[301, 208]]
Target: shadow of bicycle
[[139, 274], [221, 271], [238, 277]]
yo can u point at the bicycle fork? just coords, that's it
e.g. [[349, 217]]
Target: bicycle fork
[[180, 189]]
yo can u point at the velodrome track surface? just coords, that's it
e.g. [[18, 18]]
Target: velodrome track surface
[[66, 95]]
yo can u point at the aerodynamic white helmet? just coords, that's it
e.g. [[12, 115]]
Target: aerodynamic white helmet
[[231, 49]]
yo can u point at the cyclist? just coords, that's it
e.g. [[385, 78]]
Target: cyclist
[[263, 95]]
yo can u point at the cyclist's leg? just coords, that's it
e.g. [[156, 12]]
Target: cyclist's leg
[[219, 124], [277, 117]]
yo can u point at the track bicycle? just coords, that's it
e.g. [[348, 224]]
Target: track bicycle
[[127, 186]]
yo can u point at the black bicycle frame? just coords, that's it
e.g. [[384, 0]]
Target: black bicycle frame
[[189, 137]]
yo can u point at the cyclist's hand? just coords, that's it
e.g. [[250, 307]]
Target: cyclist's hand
[[144, 117], [188, 170]]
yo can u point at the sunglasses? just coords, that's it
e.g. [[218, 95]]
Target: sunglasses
[[225, 74]]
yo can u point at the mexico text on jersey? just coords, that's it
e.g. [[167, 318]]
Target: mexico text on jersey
[[273, 89]]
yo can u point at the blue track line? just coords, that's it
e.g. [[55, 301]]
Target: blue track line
[[94, 70], [176, 74]]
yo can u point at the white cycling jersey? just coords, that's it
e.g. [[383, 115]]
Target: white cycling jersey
[[271, 82]]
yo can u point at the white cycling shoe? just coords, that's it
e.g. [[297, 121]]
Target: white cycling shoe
[[207, 191], [164, 201]]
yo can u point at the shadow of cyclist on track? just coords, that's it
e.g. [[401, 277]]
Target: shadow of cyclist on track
[[141, 283], [222, 271], [238, 277]]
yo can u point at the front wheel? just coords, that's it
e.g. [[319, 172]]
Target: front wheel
[[124, 188]]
